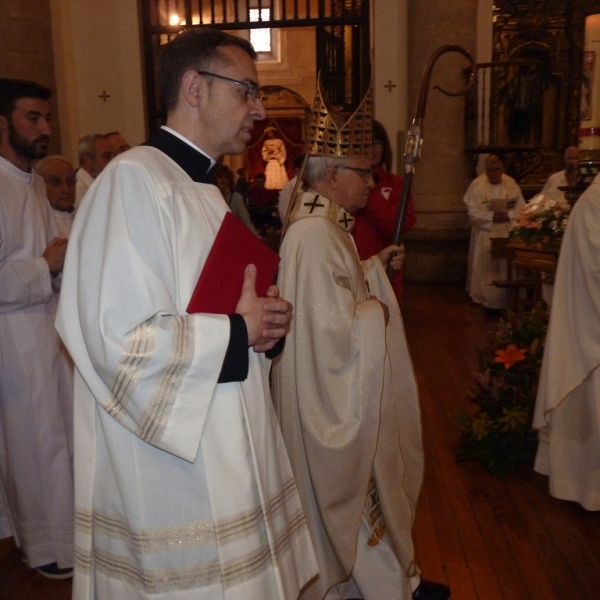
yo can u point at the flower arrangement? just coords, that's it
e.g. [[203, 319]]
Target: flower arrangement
[[498, 431], [542, 218]]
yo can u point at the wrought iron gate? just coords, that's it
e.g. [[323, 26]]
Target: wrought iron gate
[[342, 28]]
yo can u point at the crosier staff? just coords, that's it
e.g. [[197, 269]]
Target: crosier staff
[[414, 139]]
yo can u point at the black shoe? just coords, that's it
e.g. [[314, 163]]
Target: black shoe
[[52, 571], [492, 312], [431, 590]]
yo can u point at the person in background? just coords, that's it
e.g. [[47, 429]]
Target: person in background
[[259, 195], [119, 143], [567, 177], [95, 151], [262, 205], [183, 486], [36, 378], [224, 177], [375, 223], [491, 200], [242, 185], [59, 177]]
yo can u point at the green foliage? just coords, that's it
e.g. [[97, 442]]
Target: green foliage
[[498, 431]]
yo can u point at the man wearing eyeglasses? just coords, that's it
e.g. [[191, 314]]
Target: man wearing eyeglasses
[[183, 486], [345, 392], [60, 180]]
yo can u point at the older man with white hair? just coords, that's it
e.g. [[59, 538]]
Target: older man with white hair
[[59, 177], [345, 390], [95, 151]]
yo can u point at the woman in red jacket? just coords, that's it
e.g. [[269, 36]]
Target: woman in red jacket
[[374, 224]]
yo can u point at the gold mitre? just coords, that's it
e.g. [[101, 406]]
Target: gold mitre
[[335, 135]]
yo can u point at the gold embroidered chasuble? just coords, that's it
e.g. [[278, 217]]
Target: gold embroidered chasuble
[[345, 392], [183, 486]]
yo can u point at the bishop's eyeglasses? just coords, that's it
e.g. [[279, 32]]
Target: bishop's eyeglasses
[[366, 173]]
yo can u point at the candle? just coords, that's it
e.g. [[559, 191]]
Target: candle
[[589, 133]]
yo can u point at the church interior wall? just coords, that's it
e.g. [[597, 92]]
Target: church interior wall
[[295, 67], [98, 53], [26, 50]]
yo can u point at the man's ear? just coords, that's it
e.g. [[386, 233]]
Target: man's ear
[[192, 87], [3, 122], [331, 177]]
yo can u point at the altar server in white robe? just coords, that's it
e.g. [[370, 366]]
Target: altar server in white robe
[[183, 486], [566, 177], [36, 381], [345, 391], [489, 220], [567, 411]]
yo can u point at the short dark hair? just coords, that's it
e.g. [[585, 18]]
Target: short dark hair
[[196, 49], [224, 172], [12, 90]]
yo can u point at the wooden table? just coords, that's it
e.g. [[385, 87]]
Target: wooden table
[[529, 267]]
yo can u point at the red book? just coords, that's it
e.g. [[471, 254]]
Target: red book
[[220, 283]]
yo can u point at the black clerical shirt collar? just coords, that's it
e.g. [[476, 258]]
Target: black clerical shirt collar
[[196, 164]]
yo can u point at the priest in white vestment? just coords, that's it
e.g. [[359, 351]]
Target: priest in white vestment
[[36, 380], [567, 411], [345, 391], [183, 486], [564, 178], [491, 200]]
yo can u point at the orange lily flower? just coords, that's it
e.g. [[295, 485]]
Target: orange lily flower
[[510, 355]]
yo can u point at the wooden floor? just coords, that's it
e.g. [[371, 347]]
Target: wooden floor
[[488, 538]]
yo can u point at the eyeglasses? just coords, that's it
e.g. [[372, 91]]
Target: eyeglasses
[[252, 91], [57, 182], [366, 173]]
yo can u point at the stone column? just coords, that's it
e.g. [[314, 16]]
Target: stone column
[[437, 246]]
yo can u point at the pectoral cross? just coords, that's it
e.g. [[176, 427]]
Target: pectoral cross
[[104, 95], [389, 86]]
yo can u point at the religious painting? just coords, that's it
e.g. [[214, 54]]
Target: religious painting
[[274, 154], [274, 145], [278, 140]]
